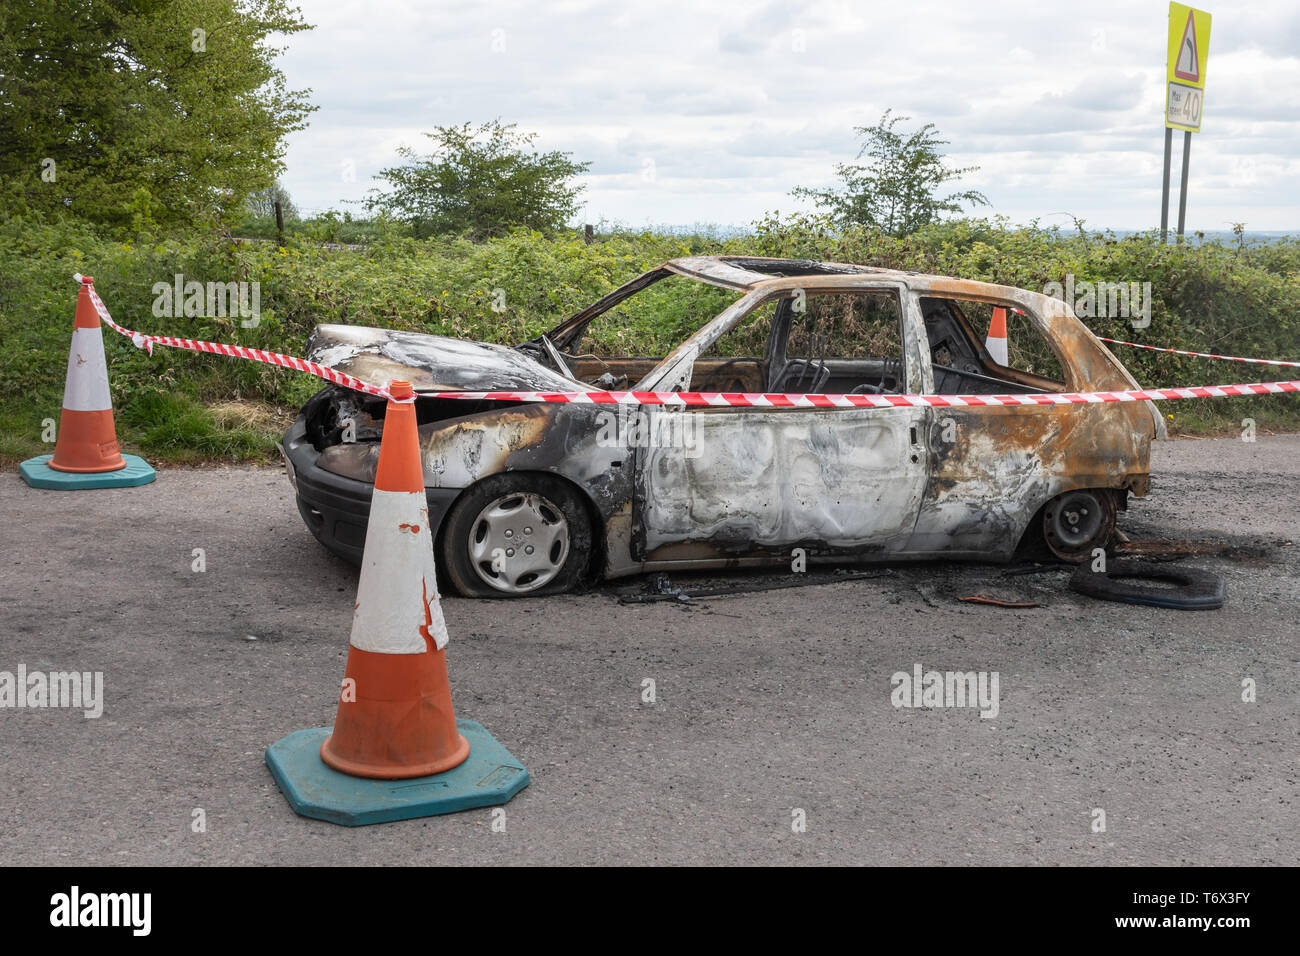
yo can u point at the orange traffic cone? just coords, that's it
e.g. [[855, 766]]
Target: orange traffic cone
[[395, 719], [399, 720], [996, 343], [86, 454], [87, 439]]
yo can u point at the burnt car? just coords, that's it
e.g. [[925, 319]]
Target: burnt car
[[528, 498]]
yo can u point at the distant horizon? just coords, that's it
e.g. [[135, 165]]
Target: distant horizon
[[726, 230], [704, 228]]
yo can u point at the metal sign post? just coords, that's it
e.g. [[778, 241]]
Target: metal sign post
[[1164, 194], [1182, 193], [1188, 51]]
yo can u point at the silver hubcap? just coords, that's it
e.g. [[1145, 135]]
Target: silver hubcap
[[519, 542]]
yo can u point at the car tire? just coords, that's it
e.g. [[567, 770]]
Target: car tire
[[516, 535], [1194, 589], [1075, 523]]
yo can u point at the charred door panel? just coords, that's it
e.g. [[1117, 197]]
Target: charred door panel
[[847, 480], [993, 468]]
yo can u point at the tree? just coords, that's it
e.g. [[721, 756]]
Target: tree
[[261, 202], [137, 111], [896, 191], [480, 181]]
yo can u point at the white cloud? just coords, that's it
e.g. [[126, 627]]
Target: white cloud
[[1061, 108]]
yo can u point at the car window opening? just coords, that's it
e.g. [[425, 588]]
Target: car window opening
[[965, 348], [663, 313], [810, 342], [841, 343]]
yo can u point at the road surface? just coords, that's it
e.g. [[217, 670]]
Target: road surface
[[771, 708]]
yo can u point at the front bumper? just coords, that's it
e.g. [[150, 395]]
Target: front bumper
[[337, 509]]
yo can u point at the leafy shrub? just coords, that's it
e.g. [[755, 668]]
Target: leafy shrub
[[1206, 297]]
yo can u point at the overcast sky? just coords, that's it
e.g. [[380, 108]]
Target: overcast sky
[[694, 112]]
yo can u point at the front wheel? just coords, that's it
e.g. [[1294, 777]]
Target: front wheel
[[516, 535]]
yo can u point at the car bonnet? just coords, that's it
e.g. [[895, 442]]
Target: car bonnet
[[429, 362]]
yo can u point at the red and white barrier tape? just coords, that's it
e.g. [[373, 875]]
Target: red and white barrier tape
[[147, 342], [771, 400], [740, 399], [1209, 355]]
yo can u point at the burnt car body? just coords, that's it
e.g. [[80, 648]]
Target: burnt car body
[[529, 498]]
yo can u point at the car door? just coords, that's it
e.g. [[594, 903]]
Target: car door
[[721, 482], [993, 466]]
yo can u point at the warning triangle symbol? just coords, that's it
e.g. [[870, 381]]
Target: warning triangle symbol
[[1188, 66]]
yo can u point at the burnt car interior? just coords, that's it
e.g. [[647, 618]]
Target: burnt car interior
[[813, 343], [823, 342], [590, 345], [961, 363], [839, 342]]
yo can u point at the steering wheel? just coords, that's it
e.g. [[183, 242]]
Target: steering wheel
[[821, 374], [712, 381], [888, 367]]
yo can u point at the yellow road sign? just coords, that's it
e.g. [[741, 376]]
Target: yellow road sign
[[1189, 49]]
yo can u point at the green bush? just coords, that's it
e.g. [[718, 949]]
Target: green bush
[[1206, 297]]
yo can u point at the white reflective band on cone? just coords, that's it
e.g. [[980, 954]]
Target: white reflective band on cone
[[997, 348], [398, 581], [86, 387]]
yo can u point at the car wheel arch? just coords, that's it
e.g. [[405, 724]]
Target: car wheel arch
[[596, 557], [1032, 537]]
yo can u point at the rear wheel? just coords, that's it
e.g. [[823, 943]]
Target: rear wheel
[[516, 535], [1077, 522]]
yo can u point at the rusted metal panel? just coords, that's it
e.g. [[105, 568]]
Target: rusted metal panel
[[993, 468], [1002, 464]]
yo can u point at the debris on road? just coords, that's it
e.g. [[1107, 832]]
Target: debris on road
[[997, 602], [1153, 585], [664, 590]]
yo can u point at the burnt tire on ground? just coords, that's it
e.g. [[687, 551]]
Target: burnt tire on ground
[[1145, 582], [519, 534]]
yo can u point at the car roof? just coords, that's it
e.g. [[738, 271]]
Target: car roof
[[749, 273]]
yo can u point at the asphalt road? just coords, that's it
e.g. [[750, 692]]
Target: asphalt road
[[765, 703]]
